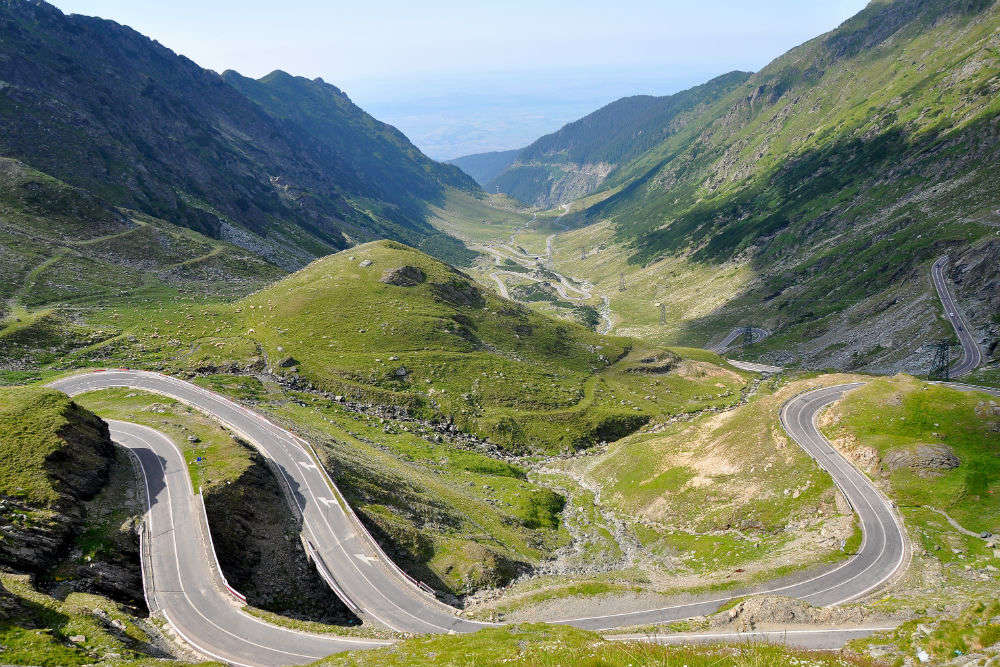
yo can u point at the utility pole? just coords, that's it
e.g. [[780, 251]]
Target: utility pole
[[583, 253]]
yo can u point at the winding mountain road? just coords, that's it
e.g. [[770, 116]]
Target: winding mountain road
[[972, 355], [350, 560], [884, 549], [181, 577], [757, 335], [345, 553]]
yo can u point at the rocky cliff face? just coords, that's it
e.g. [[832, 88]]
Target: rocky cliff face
[[976, 273], [257, 541], [34, 532]]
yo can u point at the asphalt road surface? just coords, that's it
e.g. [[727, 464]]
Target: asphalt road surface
[[972, 355], [883, 551], [346, 555], [369, 582], [754, 367], [757, 335], [817, 639], [181, 581]]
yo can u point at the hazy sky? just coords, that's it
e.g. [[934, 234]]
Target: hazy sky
[[387, 53]]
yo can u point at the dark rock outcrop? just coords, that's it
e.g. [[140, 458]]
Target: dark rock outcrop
[[34, 534], [257, 541], [924, 460], [404, 276]]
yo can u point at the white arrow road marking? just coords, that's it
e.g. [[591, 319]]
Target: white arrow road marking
[[328, 501], [308, 465], [367, 559]]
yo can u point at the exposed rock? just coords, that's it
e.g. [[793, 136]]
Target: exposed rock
[[780, 611], [459, 293], [924, 459], [366, 263], [256, 539], [288, 362], [78, 470], [862, 456], [404, 276]]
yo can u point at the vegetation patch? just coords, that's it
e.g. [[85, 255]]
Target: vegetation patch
[[898, 417], [561, 645]]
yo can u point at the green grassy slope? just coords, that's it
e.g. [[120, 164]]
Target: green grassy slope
[[287, 167], [35, 629], [447, 347], [720, 499], [443, 348], [44, 436], [63, 251], [557, 645], [897, 416], [944, 637], [831, 178]]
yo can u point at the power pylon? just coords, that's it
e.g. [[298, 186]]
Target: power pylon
[[621, 282], [663, 313]]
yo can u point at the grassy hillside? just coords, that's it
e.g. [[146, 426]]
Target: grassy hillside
[[282, 166], [35, 629], [556, 645], [64, 252], [443, 348], [828, 182], [439, 382], [936, 449], [711, 502], [50, 448], [944, 637]]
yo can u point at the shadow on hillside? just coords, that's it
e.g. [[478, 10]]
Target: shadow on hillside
[[827, 229]]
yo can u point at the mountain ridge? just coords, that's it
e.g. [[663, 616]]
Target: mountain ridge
[[582, 155], [833, 177], [102, 107]]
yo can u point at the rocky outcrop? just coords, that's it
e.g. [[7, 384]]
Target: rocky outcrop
[[459, 293], [257, 542], [926, 460], [34, 534], [404, 276], [771, 611]]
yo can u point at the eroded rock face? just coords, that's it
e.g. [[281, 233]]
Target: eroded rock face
[[776, 610], [404, 276], [459, 293], [924, 460], [256, 538], [34, 535]]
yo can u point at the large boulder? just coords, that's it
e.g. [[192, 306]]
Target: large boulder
[[404, 276], [923, 459]]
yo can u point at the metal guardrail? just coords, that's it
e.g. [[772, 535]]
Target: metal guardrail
[[363, 531]]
